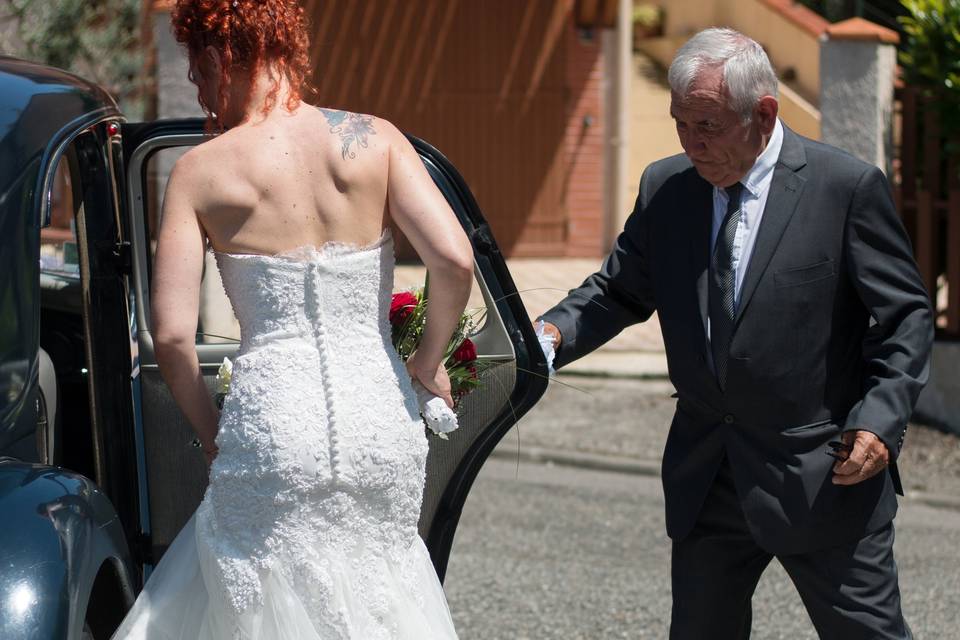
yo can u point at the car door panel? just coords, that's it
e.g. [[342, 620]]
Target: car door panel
[[512, 379]]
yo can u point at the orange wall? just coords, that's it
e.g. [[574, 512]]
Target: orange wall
[[501, 87], [584, 147]]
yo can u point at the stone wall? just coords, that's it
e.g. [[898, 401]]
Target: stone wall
[[788, 31], [858, 61]]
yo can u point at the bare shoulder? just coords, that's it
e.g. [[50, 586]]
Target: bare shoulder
[[188, 169], [197, 174], [194, 165]]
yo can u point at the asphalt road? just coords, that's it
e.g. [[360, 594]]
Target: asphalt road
[[556, 552]]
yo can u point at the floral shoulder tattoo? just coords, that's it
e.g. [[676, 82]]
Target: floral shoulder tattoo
[[353, 129]]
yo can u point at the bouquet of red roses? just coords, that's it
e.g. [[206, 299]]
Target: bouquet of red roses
[[408, 311]]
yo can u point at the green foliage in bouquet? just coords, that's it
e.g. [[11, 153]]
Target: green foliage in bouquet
[[408, 314]]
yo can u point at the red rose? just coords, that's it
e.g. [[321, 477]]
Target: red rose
[[473, 372], [402, 306], [466, 352]]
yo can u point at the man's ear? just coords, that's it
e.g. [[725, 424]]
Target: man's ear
[[765, 114]]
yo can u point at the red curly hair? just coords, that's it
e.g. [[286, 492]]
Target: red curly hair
[[247, 34]]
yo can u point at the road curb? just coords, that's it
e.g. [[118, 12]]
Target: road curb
[[938, 500], [620, 375], [619, 464], [594, 461], [630, 365]]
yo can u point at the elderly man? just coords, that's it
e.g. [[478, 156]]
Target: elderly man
[[797, 332]]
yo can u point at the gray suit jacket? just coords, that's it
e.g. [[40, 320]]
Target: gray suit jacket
[[833, 333]]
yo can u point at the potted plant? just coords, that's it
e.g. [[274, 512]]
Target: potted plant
[[647, 21]]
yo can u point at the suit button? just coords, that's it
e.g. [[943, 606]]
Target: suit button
[[729, 419]]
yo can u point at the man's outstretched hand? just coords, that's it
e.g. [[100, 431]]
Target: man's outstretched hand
[[549, 337], [863, 456], [550, 330]]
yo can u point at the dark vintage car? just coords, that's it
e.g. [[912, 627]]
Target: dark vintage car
[[98, 471]]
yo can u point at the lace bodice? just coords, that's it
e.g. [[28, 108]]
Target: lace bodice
[[310, 293], [321, 447]]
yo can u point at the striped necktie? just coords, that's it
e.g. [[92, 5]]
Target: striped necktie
[[722, 285]]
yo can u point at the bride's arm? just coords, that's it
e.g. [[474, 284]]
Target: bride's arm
[[427, 221], [175, 303]]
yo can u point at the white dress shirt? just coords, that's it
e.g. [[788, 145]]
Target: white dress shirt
[[753, 199]]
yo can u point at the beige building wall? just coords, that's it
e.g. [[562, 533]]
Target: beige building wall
[[798, 113], [788, 33], [685, 17]]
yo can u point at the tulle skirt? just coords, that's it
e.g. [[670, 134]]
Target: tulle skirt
[[176, 603]]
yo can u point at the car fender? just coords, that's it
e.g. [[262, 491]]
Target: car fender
[[58, 531]]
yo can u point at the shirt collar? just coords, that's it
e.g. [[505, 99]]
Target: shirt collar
[[759, 175]]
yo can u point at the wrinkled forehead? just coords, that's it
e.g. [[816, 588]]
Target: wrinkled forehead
[[705, 94]]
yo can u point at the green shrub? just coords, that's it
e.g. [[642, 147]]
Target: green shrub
[[931, 54], [97, 39], [648, 15]]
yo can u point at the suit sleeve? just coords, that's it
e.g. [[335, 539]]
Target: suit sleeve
[[616, 296], [896, 349]]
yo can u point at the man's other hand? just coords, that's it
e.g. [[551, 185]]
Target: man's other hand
[[864, 456], [549, 337], [552, 331]]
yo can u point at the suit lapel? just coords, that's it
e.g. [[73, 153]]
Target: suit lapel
[[785, 190], [701, 226]]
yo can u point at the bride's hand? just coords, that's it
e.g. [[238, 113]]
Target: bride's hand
[[433, 380], [209, 449], [209, 455]]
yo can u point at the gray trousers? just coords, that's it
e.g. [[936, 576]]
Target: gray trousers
[[850, 591]]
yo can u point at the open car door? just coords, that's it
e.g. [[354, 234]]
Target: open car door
[[172, 471]]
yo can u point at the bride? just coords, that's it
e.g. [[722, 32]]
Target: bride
[[308, 529]]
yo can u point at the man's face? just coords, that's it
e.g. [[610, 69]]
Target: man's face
[[722, 148]]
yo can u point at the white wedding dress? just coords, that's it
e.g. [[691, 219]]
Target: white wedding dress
[[308, 529]]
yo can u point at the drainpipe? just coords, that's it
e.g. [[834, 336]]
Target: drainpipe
[[618, 58]]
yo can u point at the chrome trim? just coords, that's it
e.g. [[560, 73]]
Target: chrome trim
[[143, 491], [50, 159], [83, 262]]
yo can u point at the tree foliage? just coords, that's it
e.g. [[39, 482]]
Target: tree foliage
[[97, 39], [832, 10], [931, 54], [883, 12]]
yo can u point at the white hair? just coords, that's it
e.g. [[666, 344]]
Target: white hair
[[747, 72]]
